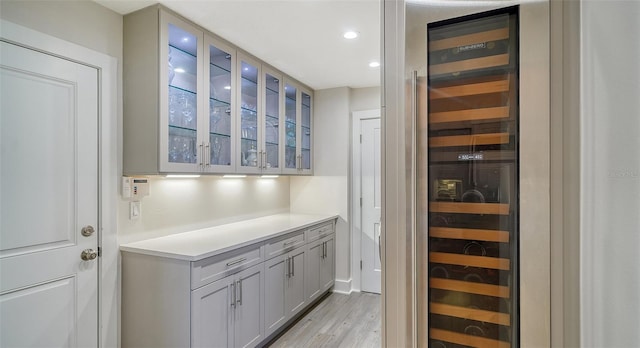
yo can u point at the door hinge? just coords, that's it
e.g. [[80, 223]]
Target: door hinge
[[360, 264], [360, 138], [360, 201], [99, 251]]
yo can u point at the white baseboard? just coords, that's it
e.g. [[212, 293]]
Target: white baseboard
[[342, 286]]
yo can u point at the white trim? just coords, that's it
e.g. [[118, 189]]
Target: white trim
[[343, 287], [355, 183], [107, 67]]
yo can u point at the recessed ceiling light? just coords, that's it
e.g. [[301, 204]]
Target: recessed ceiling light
[[350, 35], [374, 64], [179, 70]]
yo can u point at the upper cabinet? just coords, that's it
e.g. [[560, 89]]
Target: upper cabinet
[[298, 129], [194, 103]]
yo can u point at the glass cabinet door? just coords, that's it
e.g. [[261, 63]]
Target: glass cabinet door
[[182, 101], [220, 142], [468, 182], [271, 129], [291, 127], [305, 132], [249, 156]]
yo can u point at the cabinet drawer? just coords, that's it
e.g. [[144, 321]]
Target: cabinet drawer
[[217, 267], [319, 231], [283, 244]]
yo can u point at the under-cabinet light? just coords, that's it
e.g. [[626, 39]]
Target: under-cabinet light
[[179, 70], [374, 64], [269, 176], [350, 35], [233, 176], [182, 176]]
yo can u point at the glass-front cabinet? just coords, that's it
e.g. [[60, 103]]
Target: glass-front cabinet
[[220, 144], [271, 125], [298, 130], [194, 103], [181, 111]]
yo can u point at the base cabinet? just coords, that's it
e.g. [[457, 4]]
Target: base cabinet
[[227, 312], [284, 288], [240, 298], [320, 271]]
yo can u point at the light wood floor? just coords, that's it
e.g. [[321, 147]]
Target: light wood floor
[[338, 321]]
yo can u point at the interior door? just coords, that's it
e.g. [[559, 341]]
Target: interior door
[[371, 204], [48, 200]]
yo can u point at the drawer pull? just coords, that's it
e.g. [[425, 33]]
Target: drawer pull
[[236, 261], [289, 242]]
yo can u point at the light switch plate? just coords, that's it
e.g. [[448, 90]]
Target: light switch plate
[[135, 210]]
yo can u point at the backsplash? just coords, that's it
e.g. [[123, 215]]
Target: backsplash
[[180, 205]]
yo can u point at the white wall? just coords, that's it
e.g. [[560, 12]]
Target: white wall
[[179, 205], [610, 205], [327, 191]]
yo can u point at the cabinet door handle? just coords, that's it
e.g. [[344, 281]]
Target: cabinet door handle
[[233, 295], [264, 159], [231, 263], [207, 154], [293, 267], [240, 291], [201, 154]]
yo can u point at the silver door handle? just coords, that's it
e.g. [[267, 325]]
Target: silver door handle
[[201, 153], [379, 240], [87, 231], [207, 154], [88, 255], [324, 250], [293, 267], [264, 162], [233, 295], [288, 274], [240, 291]]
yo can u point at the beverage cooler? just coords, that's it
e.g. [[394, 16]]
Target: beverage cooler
[[476, 109]]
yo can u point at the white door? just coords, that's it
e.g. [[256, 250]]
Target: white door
[[48, 193], [371, 204]]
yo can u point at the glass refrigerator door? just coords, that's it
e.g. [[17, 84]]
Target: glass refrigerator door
[[470, 191]]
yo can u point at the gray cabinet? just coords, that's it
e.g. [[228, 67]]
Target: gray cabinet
[[298, 123], [320, 271], [284, 288]]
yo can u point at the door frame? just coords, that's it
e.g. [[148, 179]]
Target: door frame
[[356, 182], [108, 294]]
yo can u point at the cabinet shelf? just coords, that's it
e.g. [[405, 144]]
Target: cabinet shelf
[[469, 115], [470, 234], [253, 111], [470, 287], [466, 340], [181, 50], [470, 313], [220, 134], [469, 89], [457, 41], [249, 80], [221, 68], [272, 90], [220, 101], [470, 260], [470, 140], [181, 128], [470, 64], [182, 89], [469, 208]]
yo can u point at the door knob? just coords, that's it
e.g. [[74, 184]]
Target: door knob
[[88, 254], [87, 230]]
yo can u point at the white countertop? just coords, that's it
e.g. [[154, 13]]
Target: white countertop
[[203, 243]]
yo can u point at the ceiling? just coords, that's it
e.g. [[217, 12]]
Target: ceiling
[[302, 38]]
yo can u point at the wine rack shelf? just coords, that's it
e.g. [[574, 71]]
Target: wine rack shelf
[[469, 208], [470, 287], [470, 313], [470, 260], [466, 340], [469, 39], [470, 234], [469, 115], [470, 64], [469, 89]]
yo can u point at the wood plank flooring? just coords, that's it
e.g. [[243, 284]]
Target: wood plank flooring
[[339, 321]]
